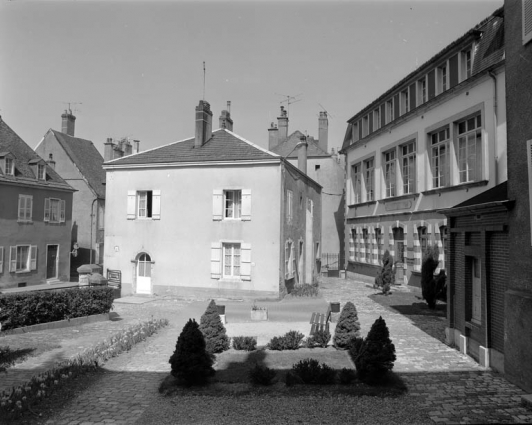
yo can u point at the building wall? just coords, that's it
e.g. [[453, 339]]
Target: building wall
[[36, 233], [180, 242]]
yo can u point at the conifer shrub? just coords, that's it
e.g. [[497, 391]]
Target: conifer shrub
[[376, 355], [289, 341], [348, 326], [191, 363], [213, 330], [429, 265], [261, 375], [386, 274], [441, 286], [245, 343], [346, 376], [320, 338], [311, 371]]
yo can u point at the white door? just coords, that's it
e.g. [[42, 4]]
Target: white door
[[144, 274], [477, 294]]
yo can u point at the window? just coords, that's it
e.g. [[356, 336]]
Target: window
[[289, 203], [389, 173], [232, 204], [404, 102], [365, 126], [10, 166], [376, 119], [146, 204], [25, 207], [442, 78], [300, 201], [408, 167], [439, 158], [466, 64], [352, 238], [356, 182], [423, 239], [54, 210], [369, 179], [378, 240], [356, 136], [389, 111], [231, 259], [422, 91], [367, 245], [101, 215], [289, 260], [23, 258], [317, 167], [41, 172], [144, 265], [469, 149]]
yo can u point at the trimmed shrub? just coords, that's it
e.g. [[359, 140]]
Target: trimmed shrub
[[429, 265], [289, 341], [261, 375], [348, 326], [245, 343], [376, 354], [213, 330], [305, 290], [292, 379], [310, 371], [30, 308], [346, 376], [320, 339], [386, 274], [191, 362], [441, 286]]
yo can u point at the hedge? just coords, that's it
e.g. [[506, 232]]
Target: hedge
[[30, 308]]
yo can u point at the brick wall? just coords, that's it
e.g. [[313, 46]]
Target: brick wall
[[497, 254]]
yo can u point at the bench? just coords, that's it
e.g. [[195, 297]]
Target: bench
[[320, 321]]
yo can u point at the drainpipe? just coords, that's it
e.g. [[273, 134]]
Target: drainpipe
[[495, 142], [92, 215]]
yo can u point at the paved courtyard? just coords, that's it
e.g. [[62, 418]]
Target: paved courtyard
[[449, 385]]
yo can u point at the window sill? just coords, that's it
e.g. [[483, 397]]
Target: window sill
[[460, 186], [362, 204], [22, 271], [400, 197], [473, 324], [25, 221]]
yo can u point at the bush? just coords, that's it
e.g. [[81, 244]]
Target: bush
[[386, 274], [191, 362], [7, 358], [289, 341], [354, 346], [441, 286], [213, 330], [305, 290], [310, 371], [346, 376], [376, 354], [30, 308], [348, 326], [245, 343], [428, 267], [261, 375], [320, 339]]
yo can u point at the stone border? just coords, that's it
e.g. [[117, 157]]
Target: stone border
[[58, 324]]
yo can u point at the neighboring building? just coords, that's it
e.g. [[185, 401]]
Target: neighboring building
[[212, 215], [518, 295], [325, 168], [35, 216], [434, 140], [79, 163]]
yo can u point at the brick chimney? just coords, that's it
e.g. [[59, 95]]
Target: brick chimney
[[302, 154], [225, 118], [323, 131], [136, 143], [273, 136], [108, 150], [282, 125], [51, 161], [203, 123], [67, 124]]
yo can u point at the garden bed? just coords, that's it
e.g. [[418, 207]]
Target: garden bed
[[76, 321]]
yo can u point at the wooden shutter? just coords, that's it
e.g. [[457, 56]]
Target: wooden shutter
[[156, 205], [216, 260], [527, 21], [33, 257], [47, 209], [29, 206], [1, 259], [21, 208], [131, 204], [245, 261], [246, 204], [292, 260], [217, 204], [13, 259], [529, 159], [62, 212]]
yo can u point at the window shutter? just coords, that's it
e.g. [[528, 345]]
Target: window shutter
[[21, 210], [33, 265], [1, 259], [62, 213], [529, 159], [29, 206], [47, 209], [245, 261], [527, 21], [13, 259], [131, 204], [156, 205], [217, 204], [246, 204], [292, 258], [216, 260]]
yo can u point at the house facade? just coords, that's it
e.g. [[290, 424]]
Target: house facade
[[212, 215], [35, 216], [434, 140]]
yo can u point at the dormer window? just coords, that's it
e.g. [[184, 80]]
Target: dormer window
[[41, 172], [7, 163], [10, 166], [39, 168]]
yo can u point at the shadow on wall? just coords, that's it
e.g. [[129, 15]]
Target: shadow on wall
[[339, 216]]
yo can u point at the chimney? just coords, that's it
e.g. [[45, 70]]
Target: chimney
[[282, 122], [225, 118], [128, 148], [51, 161], [108, 150], [302, 155], [67, 125], [323, 131], [136, 149], [273, 136], [203, 123]]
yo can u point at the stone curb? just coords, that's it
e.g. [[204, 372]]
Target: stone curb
[[58, 324]]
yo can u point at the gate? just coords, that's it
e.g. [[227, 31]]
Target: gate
[[330, 264]]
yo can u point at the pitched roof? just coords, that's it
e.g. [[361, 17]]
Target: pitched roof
[[497, 193], [224, 145], [89, 161], [287, 149], [11, 142]]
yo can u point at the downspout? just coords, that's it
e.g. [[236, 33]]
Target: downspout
[[92, 215], [496, 125]]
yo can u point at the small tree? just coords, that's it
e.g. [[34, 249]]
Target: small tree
[[213, 330], [386, 275], [429, 265], [376, 354], [191, 363], [348, 326]]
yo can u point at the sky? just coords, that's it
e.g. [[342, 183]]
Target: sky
[[135, 68]]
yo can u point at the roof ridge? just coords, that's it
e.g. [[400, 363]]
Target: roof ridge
[[248, 142]]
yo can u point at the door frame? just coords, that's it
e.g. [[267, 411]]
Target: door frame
[[56, 262], [136, 269]]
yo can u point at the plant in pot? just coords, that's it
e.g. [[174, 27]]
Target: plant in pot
[[259, 313]]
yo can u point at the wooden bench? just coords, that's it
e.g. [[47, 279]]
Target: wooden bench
[[320, 321]]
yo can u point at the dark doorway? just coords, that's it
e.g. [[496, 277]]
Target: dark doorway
[[51, 261]]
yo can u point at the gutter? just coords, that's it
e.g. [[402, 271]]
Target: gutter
[[496, 125]]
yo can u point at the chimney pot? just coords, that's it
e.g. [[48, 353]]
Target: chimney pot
[[203, 123], [51, 161], [323, 131], [282, 126]]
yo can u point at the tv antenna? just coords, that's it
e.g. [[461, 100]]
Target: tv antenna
[[325, 110], [289, 100], [73, 104], [204, 80]]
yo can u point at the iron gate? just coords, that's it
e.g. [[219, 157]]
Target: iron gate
[[330, 264]]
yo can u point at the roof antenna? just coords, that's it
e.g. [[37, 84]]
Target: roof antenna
[[203, 80]]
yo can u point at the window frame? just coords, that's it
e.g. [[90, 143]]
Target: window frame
[[405, 101], [467, 63], [356, 135], [422, 91], [25, 209], [236, 204], [376, 119], [233, 256], [409, 185], [148, 208], [41, 172], [440, 143], [389, 111], [356, 182], [369, 179], [9, 166], [367, 245], [389, 162], [463, 153], [443, 75], [289, 205]]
